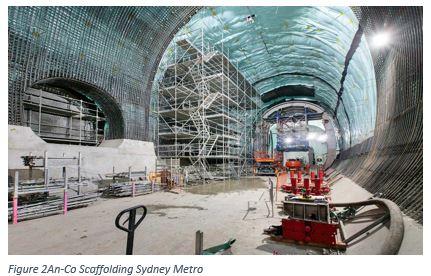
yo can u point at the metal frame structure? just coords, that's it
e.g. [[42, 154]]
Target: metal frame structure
[[58, 118], [206, 111]]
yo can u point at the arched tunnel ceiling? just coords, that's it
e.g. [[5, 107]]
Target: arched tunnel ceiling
[[86, 43], [283, 46]]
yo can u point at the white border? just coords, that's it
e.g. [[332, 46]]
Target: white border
[[230, 265]]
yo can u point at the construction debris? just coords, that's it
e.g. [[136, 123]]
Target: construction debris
[[128, 189], [52, 206]]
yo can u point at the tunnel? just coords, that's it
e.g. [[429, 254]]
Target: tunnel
[[358, 69], [373, 93]]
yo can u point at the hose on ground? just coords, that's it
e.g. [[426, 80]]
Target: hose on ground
[[392, 243]]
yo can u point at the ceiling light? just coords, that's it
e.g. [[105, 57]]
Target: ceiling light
[[288, 140], [250, 18], [322, 138], [311, 136], [380, 40]]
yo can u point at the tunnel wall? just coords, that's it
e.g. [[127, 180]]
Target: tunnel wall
[[116, 49], [98, 45], [391, 162]]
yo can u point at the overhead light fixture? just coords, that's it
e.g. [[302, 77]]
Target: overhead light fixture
[[322, 138], [311, 136], [250, 18], [288, 140], [381, 39]]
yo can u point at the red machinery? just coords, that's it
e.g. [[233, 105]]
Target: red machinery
[[310, 232], [294, 182], [307, 222], [307, 209], [316, 233], [293, 165]]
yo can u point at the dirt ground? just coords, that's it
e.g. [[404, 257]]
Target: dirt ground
[[233, 209]]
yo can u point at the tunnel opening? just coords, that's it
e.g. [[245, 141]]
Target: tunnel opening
[[279, 64], [299, 130], [69, 111], [329, 56], [62, 116]]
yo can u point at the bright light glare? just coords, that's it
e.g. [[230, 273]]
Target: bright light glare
[[381, 39], [311, 136], [288, 140], [322, 138]]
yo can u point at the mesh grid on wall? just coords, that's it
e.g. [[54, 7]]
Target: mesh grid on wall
[[116, 49], [392, 161]]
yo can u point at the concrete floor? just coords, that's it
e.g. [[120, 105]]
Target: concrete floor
[[222, 211]]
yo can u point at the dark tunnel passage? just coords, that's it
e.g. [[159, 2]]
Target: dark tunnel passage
[[120, 52]]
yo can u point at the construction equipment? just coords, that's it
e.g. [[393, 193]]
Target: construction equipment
[[221, 249], [293, 164], [313, 220], [133, 224], [263, 164], [307, 208], [135, 188], [308, 221], [295, 181]]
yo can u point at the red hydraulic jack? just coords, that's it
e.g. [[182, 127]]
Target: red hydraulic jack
[[298, 183], [307, 212], [317, 183], [307, 186]]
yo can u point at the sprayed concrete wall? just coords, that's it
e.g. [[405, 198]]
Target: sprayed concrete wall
[[118, 154]]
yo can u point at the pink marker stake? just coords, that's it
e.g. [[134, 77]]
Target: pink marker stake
[[65, 192], [133, 189], [15, 210], [15, 200], [65, 203]]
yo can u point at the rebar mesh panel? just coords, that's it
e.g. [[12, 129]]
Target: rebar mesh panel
[[114, 48], [392, 161]]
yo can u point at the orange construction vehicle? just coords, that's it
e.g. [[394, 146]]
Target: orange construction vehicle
[[263, 164]]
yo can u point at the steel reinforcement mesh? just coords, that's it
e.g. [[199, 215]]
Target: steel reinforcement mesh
[[116, 49], [392, 161]]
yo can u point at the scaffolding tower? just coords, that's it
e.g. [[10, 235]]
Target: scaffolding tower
[[206, 111]]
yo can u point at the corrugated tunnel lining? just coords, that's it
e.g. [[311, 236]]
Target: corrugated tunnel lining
[[391, 162], [309, 46], [116, 49]]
